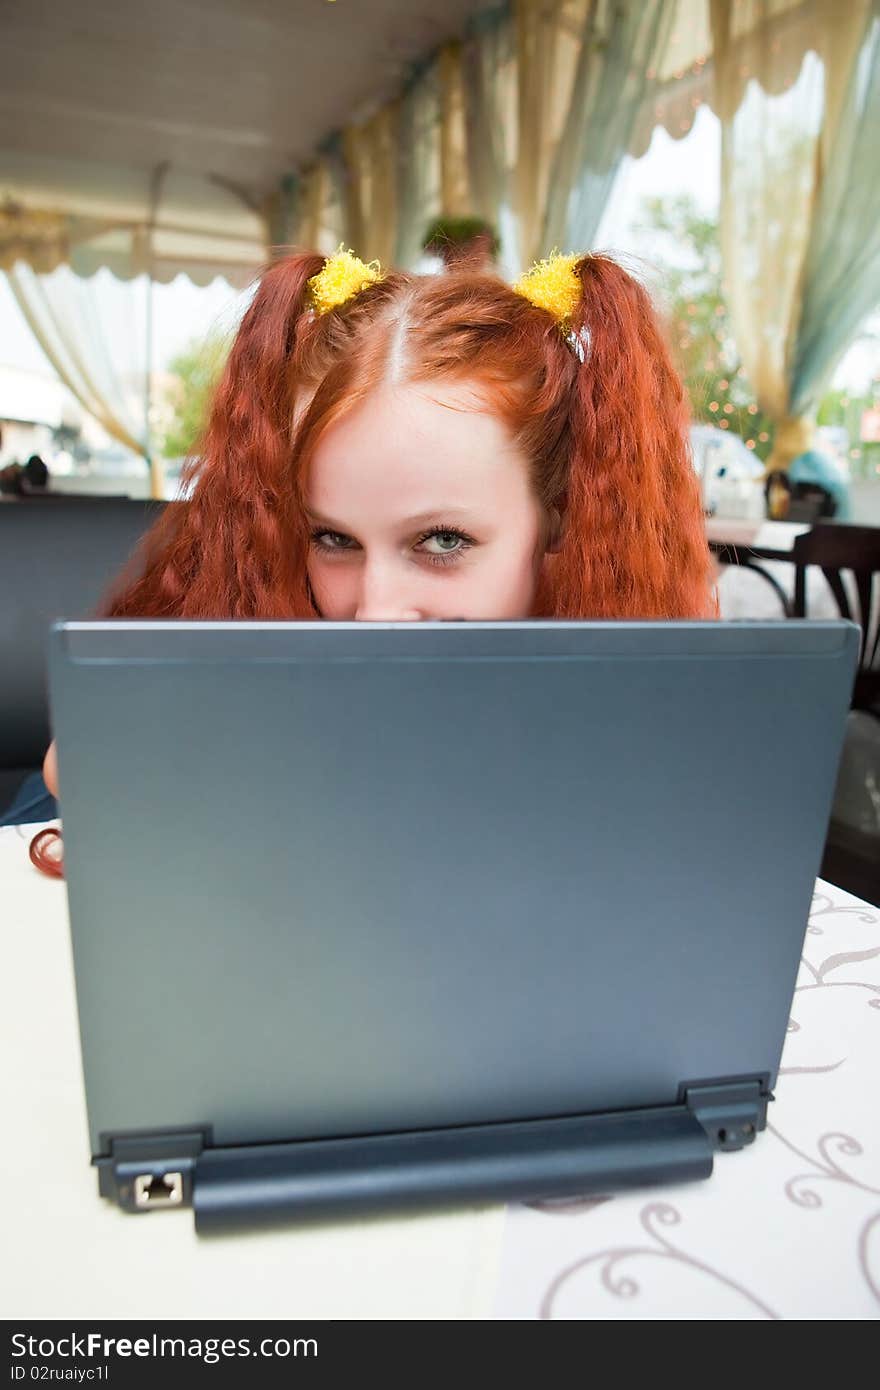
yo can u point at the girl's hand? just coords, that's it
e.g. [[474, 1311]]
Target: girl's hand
[[50, 770], [46, 849]]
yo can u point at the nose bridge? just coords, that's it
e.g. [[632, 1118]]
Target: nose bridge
[[382, 593]]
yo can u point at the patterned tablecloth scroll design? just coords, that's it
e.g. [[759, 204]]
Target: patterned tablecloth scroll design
[[789, 1228]]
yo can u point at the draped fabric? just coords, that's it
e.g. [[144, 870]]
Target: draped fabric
[[800, 200], [842, 271], [83, 281], [455, 186], [419, 164], [336, 200], [556, 93], [619, 46], [163, 222], [88, 330], [488, 77], [313, 218], [283, 214], [370, 154], [524, 123], [432, 158]]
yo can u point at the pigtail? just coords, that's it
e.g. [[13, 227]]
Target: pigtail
[[635, 543], [234, 549]]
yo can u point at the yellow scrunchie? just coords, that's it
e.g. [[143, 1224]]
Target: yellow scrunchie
[[344, 275], [553, 284]]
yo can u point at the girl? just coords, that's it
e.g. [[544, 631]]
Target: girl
[[401, 447]]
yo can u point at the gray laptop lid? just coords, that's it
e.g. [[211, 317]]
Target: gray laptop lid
[[338, 879]]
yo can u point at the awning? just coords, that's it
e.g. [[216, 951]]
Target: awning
[[158, 137], [166, 222], [155, 137]]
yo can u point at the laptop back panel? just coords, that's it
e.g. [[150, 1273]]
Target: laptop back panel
[[340, 879]]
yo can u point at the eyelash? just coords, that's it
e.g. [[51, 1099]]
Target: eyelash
[[442, 560]]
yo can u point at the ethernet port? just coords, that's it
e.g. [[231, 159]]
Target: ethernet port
[[158, 1190]]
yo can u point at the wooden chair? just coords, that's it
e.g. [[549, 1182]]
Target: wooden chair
[[810, 502], [803, 501], [851, 857], [836, 547]]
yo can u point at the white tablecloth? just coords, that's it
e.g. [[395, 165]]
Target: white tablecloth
[[744, 594], [772, 535], [789, 1227], [66, 1253]]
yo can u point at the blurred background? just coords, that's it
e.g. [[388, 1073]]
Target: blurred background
[[152, 159]]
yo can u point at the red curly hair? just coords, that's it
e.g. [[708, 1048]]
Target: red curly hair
[[599, 413]]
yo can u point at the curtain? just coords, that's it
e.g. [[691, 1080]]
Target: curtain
[[525, 123], [302, 216], [618, 48], [369, 176], [91, 331], [84, 283], [842, 274], [555, 89], [488, 75], [800, 201], [419, 164]]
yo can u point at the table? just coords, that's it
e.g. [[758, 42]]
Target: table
[[737, 542], [787, 1228], [69, 1254]]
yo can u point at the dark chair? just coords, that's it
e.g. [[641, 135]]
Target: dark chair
[[851, 857], [810, 502], [806, 501], [852, 849], [55, 562], [840, 547], [90, 498]]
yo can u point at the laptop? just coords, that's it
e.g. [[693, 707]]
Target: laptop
[[372, 916]]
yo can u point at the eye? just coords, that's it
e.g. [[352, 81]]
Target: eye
[[451, 544], [446, 541], [331, 540], [441, 545]]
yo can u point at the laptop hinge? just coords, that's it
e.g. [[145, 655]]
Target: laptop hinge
[[731, 1112], [251, 1185], [330, 1179], [264, 1184], [145, 1172]]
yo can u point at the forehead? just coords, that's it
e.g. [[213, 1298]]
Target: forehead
[[413, 448]]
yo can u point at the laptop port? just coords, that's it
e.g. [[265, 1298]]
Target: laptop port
[[158, 1190]]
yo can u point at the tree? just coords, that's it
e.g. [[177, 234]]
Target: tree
[[687, 245], [846, 410], [194, 375]]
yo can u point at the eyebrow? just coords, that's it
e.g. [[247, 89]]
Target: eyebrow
[[421, 519]]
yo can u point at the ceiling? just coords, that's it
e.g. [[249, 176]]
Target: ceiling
[[243, 90]]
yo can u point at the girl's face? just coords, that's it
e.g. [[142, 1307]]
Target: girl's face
[[419, 507]]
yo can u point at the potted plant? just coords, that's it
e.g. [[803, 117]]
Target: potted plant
[[463, 243]]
